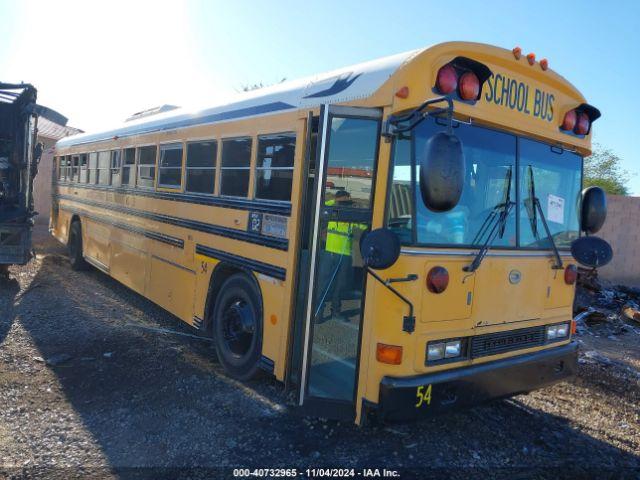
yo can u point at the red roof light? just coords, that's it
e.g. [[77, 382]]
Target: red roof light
[[582, 127], [469, 86], [570, 119], [437, 280], [447, 80]]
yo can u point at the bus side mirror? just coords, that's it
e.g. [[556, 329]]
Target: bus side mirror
[[593, 211], [442, 172], [591, 252], [379, 248]]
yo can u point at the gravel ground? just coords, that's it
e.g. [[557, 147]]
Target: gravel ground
[[88, 389]]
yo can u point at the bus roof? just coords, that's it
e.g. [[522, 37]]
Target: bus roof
[[415, 68], [336, 86]]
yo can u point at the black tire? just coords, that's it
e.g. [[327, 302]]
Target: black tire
[[74, 247], [237, 326]]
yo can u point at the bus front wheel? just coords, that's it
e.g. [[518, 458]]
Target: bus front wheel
[[75, 247], [237, 326]]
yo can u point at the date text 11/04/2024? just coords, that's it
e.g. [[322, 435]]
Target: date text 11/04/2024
[[515, 95], [315, 473]]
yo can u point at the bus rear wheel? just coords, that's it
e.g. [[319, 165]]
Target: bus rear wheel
[[237, 326], [74, 247]]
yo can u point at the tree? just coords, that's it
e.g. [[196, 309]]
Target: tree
[[603, 169]]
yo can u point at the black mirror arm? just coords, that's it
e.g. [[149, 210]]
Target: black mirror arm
[[558, 265], [393, 128], [409, 322]]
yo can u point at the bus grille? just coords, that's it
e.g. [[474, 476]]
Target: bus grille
[[502, 342]]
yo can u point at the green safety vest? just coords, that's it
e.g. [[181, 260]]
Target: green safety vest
[[340, 235]]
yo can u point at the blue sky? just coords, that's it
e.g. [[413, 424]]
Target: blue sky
[[98, 62]]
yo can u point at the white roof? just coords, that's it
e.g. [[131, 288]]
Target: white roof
[[338, 86]]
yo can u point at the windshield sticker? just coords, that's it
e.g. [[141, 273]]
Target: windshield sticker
[[555, 209]]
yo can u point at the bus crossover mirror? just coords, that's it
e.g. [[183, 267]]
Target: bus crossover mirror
[[591, 252], [593, 211], [442, 172], [380, 248]]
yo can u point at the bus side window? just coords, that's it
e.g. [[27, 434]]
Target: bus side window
[[236, 161], [128, 167], [104, 171], [116, 163], [93, 167], [146, 166], [201, 166], [170, 166], [84, 173], [75, 168], [274, 168]]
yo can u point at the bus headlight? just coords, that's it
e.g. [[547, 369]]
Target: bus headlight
[[435, 351], [452, 349], [444, 350], [557, 332]]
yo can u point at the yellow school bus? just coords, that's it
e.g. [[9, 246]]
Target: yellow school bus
[[390, 239]]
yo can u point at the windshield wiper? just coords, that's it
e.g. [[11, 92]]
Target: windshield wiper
[[494, 225], [533, 207]]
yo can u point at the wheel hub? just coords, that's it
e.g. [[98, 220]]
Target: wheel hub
[[239, 326]]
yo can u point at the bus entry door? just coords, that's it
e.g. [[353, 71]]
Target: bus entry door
[[343, 196]]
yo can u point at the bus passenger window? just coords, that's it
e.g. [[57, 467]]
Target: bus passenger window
[[75, 168], [63, 168], [104, 160], [93, 168], [84, 173], [129, 161], [274, 169], [170, 167], [236, 160], [201, 166], [115, 167], [146, 166]]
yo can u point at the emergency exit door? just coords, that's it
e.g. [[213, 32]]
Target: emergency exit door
[[333, 305]]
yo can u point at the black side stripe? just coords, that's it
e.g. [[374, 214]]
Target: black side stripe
[[263, 206], [251, 237], [160, 237], [244, 262]]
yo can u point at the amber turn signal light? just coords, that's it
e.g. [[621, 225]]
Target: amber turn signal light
[[517, 52], [403, 92], [389, 354]]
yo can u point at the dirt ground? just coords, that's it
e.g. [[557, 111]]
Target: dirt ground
[[89, 389]]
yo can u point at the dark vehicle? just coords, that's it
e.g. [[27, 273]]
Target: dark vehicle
[[19, 157]]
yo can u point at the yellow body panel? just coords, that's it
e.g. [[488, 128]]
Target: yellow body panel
[[178, 279]]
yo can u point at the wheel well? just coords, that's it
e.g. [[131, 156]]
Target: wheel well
[[75, 218], [220, 274]]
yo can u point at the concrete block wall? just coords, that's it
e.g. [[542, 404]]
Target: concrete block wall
[[622, 231]]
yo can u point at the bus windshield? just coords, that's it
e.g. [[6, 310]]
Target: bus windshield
[[492, 160]]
